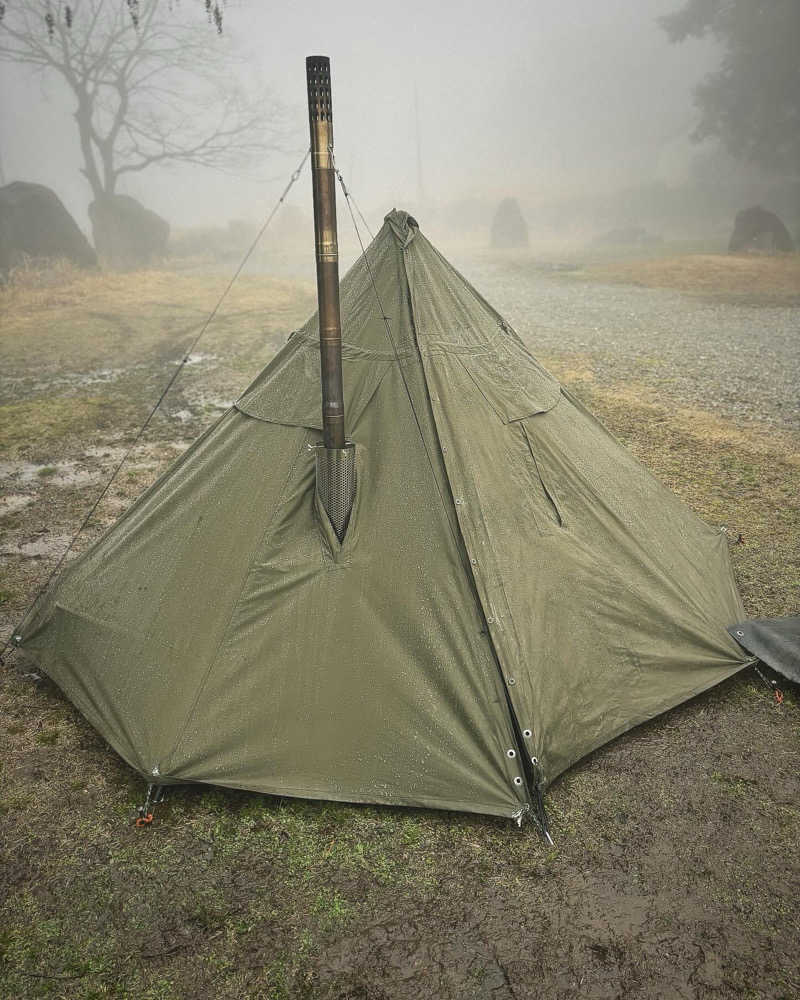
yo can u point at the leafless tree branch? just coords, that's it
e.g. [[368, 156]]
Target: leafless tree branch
[[163, 92]]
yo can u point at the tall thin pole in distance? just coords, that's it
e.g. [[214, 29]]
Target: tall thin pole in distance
[[320, 116], [420, 188]]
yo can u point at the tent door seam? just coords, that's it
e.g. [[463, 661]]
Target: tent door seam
[[516, 730]]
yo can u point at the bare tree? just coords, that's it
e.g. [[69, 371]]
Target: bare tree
[[152, 89]]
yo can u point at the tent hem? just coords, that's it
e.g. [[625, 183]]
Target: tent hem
[[324, 794], [680, 699]]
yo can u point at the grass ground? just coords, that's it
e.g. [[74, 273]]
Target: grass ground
[[751, 278], [675, 871]]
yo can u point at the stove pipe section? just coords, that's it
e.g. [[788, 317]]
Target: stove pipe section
[[336, 478]]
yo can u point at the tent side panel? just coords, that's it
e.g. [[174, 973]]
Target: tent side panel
[[605, 596], [360, 672], [130, 630]]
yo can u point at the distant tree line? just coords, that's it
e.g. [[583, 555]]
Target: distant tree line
[[752, 102]]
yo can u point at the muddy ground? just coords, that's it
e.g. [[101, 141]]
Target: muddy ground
[[675, 871]]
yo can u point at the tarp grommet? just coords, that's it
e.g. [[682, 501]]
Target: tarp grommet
[[527, 733], [517, 780], [511, 753]]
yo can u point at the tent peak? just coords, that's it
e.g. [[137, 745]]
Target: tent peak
[[403, 225]]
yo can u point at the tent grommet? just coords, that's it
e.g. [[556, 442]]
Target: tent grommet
[[527, 733], [511, 753], [517, 780]]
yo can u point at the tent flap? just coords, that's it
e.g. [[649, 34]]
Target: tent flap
[[288, 390]]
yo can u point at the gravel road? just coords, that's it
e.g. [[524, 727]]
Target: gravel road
[[742, 361]]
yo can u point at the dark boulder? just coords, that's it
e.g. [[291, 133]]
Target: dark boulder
[[34, 223], [509, 229], [757, 229], [126, 233]]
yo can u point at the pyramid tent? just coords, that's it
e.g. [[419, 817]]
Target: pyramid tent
[[513, 590]]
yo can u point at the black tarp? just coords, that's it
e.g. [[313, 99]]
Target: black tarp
[[775, 641]]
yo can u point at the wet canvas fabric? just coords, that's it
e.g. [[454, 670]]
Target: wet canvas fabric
[[513, 584]]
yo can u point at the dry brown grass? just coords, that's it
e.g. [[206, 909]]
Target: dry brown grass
[[773, 280], [93, 318]]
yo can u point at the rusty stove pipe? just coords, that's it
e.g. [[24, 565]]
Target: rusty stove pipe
[[336, 459]]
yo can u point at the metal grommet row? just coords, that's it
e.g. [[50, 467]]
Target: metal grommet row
[[511, 753]]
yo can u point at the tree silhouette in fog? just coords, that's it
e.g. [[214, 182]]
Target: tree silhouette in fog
[[150, 88], [752, 102]]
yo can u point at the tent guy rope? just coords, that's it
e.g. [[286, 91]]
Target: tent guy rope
[[12, 640]]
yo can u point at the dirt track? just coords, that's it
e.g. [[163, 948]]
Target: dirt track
[[675, 872]]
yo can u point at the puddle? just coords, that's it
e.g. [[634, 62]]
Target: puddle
[[75, 379], [45, 547], [57, 474], [198, 359], [219, 404], [113, 454], [22, 386], [14, 501]]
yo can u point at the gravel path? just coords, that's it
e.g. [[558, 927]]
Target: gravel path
[[743, 361]]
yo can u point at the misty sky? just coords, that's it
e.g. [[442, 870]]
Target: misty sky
[[537, 99]]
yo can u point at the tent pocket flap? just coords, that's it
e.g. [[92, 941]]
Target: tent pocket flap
[[513, 384], [288, 391]]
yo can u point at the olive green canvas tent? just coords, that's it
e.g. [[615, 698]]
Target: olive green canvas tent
[[513, 589]]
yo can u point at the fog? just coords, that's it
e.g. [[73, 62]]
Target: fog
[[545, 101]]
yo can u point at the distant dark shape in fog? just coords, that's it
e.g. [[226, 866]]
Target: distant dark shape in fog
[[751, 102], [563, 106], [34, 223], [509, 229], [756, 228]]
